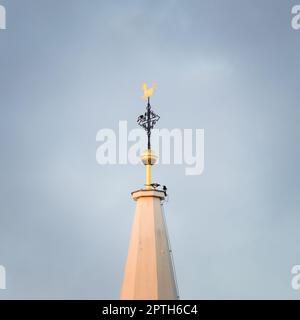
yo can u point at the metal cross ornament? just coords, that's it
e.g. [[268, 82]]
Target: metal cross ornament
[[149, 118]]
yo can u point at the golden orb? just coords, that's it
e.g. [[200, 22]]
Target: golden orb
[[148, 157]]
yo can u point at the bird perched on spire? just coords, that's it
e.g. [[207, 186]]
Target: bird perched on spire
[[165, 190], [148, 92], [155, 185]]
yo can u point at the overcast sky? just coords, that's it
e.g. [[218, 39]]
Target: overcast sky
[[69, 68]]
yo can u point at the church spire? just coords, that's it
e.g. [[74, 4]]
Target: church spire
[[149, 270]]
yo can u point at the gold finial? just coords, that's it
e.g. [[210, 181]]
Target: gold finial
[[148, 92]]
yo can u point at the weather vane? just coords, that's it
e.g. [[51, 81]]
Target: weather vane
[[148, 121], [149, 118]]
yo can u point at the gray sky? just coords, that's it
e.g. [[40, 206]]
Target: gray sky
[[69, 68]]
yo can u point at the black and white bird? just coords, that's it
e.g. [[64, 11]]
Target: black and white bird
[[165, 190], [155, 185]]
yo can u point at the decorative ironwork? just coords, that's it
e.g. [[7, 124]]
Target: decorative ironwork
[[147, 121]]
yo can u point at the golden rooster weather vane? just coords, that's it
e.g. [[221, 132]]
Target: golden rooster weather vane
[[148, 92]]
